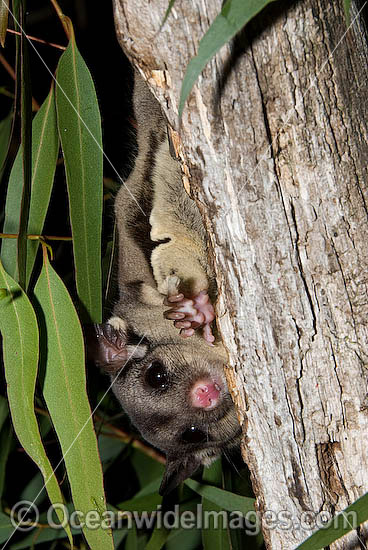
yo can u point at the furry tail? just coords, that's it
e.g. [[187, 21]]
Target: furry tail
[[151, 124]]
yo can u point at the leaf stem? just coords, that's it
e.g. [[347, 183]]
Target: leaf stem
[[11, 31]]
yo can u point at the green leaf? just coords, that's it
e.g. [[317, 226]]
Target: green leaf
[[80, 133], [183, 538], [147, 503], [4, 91], [6, 443], [162, 533], [5, 134], [342, 523], [146, 468], [142, 542], [187, 536], [234, 15], [347, 4], [132, 539], [151, 487], [6, 527], [108, 262], [45, 147], [26, 140], [34, 491], [167, 13], [158, 538], [45, 425], [237, 480], [4, 410], [215, 537], [19, 329], [66, 398], [4, 14], [118, 536], [37, 536], [109, 448], [224, 499], [213, 474]]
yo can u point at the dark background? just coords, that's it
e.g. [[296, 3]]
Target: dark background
[[112, 76]]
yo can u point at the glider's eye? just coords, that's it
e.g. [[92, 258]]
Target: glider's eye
[[193, 435], [157, 376]]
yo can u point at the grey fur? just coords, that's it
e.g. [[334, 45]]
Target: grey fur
[[165, 241]]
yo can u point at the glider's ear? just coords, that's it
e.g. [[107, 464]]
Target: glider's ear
[[108, 346], [177, 470]]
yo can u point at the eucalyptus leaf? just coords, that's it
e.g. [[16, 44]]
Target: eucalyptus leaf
[[6, 443], [147, 503], [132, 539], [146, 468], [167, 12], [213, 474], [45, 425], [118, 536], [342, 523], [186, 537], [5, 135], [234, 15], [109, 448], [347, 4], [107, 266], [4, 410], [215, 535], [38, 536], [26, 140], [66, 399], [183, 538], [247, 533], [18, 326], [150, 488], [79, 126], [142, 541], [4, 14], [45, 147], [6, 527], [34, 491], [158, 538], [41, 535], [224, 499]]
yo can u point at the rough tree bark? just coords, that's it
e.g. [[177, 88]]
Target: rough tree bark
[[275, 138]]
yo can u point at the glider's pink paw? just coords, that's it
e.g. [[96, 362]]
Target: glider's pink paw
[[190, 314]]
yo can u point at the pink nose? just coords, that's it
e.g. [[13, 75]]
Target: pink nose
[[205, 394]]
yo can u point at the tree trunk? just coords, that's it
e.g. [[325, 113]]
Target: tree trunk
[[275, 140]]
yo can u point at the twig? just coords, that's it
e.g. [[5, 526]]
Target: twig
[[6, 66], [38, 40], [36, 237]]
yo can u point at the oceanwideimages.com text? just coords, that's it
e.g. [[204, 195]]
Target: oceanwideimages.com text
[[25, 516]]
